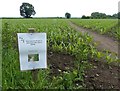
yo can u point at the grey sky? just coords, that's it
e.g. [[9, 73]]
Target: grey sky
[[53, 8]]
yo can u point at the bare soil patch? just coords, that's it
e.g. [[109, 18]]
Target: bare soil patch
[[60, 62], [101, 76]]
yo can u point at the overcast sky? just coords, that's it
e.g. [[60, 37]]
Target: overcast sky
[[54, 8]]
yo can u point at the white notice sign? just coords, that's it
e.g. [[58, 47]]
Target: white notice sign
[[32, 50]]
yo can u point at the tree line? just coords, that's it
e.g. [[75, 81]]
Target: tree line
[[98, 15]]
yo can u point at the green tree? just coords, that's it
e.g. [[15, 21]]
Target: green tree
[[118, 15], [85, 17], [26, 10], [102, 15], [97, 15], [115, 15], [109, 16], [67, 15]]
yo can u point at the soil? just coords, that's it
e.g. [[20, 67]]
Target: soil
[[103, 42], [60, 62], [101, 76]]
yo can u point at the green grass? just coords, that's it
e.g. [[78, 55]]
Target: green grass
[[60, 38]]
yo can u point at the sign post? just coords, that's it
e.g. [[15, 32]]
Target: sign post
[[33, 51], [34, 71]]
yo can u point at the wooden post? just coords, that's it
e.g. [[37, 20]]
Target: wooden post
[[34, 71]]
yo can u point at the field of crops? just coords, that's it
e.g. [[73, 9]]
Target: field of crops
[[102, 26], [61, 38]]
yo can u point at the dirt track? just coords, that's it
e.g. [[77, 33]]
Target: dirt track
[[102, 76], [103, 42]]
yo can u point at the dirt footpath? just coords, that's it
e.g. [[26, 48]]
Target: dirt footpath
[[103, 42], [102, 75]]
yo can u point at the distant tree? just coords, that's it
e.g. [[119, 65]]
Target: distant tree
[[102, 15], [67, 15], [118, 15], [115, 15], [97, 15], [26, 10], [85, 17], [109, 16]]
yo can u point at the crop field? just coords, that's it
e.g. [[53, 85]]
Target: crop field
[[61, 40], [102, 26]]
